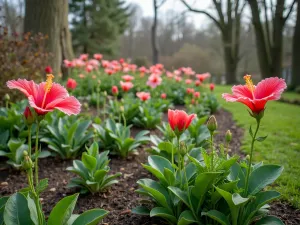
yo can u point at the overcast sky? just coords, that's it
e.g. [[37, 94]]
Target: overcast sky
[[176, 5]]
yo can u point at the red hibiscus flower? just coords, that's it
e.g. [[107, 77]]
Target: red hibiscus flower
[[127, 78], [197, 94], [71, 84], [144, 96], [48, 69], [115, 90], [211, 86], [163, 95], [203, 76], [179, 120], [256, 97], [98, 56], [126, 86], [46, 96]]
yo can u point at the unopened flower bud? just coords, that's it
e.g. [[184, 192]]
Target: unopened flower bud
[[29, 117], [27, 162], [182, 149], [228, 136], [212, 124], [248, 157], [122, 108], [86, 105], [6, 97], [105, 93]]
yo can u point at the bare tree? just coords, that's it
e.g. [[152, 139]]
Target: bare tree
[[296, 50], [229, 22], [269, 33], [50, 18], [155, 51]]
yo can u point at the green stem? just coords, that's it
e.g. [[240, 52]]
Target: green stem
[[212, 150], [251, 155], [6, 104], [123, 116], [37, 154], [29, 141]]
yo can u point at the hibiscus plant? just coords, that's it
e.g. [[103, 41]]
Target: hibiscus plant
[[24, 207], [210, 186], [93, 171], [116, 138]]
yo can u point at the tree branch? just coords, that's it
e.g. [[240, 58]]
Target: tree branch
[[205, 13], [290, 10], [161, 3]]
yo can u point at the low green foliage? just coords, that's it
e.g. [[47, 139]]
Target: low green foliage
[[93, 171], [67, 135], [116, 138]]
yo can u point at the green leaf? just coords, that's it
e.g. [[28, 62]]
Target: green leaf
[[141, 210], [16, 211], [269, 220], [93, 150], [163, 213], [186, 217], [62, 211], [3, 201], [90, 162], [182, 195], [234, 203], [43, 184], [261, 139], [91, 217], [203, 183], [72, 219], [166, 146], [99, 175], [217, 216], [263, 176], [44, 154], [159, 193], [159, 163], [170, 177], [33, 210]]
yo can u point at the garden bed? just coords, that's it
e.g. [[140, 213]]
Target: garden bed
[[121, 198]]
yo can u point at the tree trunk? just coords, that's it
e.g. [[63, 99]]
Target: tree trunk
[[261, 45], [65, 40], [296, 51], [153, 35], [230, 65], [50, 17]]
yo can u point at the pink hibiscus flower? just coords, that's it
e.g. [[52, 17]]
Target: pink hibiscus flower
[[46, 96]]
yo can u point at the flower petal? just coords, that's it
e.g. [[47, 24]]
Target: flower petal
[[69, 106], [27, 87], [190, 119], [39, 110], [171, 114], [270, 87], [241, 91]]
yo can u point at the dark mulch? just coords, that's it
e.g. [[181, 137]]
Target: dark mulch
[[121, 197]]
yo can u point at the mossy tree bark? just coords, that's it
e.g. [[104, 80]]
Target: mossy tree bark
[[296, 51]]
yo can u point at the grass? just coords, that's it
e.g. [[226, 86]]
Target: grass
[[281, 123], [291, 96]]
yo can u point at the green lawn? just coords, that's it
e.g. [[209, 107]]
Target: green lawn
[[282, 125], [291, 96]]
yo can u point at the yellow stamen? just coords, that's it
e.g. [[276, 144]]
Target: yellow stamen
[[48, 86], [249, 83]]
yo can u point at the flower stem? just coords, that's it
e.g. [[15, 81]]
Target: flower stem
[[37, 154], [29, 141], [251, 155], [212, 150]]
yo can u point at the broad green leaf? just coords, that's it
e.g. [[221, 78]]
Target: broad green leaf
[[3, 200], [159, 163], [226, 187], [141, 210], [233, 205], [99, 175], [166, 146], [62, 211], [261, 199], [269, 220], [182, 195], [93, 149], [72, 219], [163, 213], [186, 217], [263, 176], [157, 174], [91, 217], [170, 177], [217, 216], [90, 162], [33, 210], [16, 211]]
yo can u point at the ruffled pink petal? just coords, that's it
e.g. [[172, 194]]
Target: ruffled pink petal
[[69, 105], [246, 101], [190, 119], [27, 87], [38, 109], [270, 87], [241, 91]]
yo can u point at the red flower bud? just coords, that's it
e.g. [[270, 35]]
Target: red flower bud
[[71, 84], [29, 117], [179, 120], [211, 86], [163, 95], [115, 90], [48, 69]]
